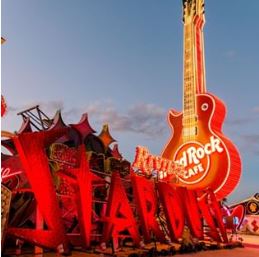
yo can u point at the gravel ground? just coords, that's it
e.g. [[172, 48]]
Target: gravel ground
[[237, 252]]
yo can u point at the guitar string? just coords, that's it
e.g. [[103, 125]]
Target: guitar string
[[187, 84], [191, 80]]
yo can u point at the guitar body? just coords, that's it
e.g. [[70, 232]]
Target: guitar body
[[210, 159]]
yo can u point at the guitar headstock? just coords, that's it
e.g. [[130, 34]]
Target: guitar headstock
[[191, 8]]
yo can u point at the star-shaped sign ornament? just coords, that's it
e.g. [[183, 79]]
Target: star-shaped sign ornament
[[105, 136], [115, 152], [83, 127]]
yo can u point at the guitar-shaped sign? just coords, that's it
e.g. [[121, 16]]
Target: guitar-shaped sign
[[209, 158]]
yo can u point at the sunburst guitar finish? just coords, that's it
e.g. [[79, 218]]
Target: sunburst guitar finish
[[210, 160]]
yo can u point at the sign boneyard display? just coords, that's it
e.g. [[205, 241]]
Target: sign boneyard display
[[82, 206], [70, 189]]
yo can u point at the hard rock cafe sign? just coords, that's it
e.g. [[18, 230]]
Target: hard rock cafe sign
[[195, 158], [147, 164], [191, 163], [197, 143]]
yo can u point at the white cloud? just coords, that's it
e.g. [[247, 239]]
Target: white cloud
[[142, 118], [49, 107]]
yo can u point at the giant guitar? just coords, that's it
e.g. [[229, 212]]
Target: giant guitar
[[210, 160]]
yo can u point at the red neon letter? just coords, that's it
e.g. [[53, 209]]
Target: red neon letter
[[145, 197], [84, 198], [119, 215], [192, 212], [212, 214], [173, 208], [31, 149]]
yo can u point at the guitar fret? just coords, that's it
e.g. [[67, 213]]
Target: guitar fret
[[189, 116]]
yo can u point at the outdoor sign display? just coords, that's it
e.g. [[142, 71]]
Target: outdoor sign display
[[181, 206], [77, 191]]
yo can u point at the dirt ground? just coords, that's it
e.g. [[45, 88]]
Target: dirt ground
[[250, 242], [237, 252]]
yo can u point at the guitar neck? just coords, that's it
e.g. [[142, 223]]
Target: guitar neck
[[189, 85], [194, 20], [193, 68], [189, 79]]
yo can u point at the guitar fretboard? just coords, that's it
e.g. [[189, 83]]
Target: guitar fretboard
[[189, 100], [194, 70]]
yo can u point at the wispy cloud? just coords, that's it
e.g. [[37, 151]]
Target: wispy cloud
[[148, 119], [249, 140], [240, 121], [252, 116], [142, 118], [49, 107], [250, 143]]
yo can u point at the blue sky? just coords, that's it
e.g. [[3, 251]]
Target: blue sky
[[121, 61]]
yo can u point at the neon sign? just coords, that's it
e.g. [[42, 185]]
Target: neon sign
[[118, 215], [146, 163], [195, 158], [197, 142]]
